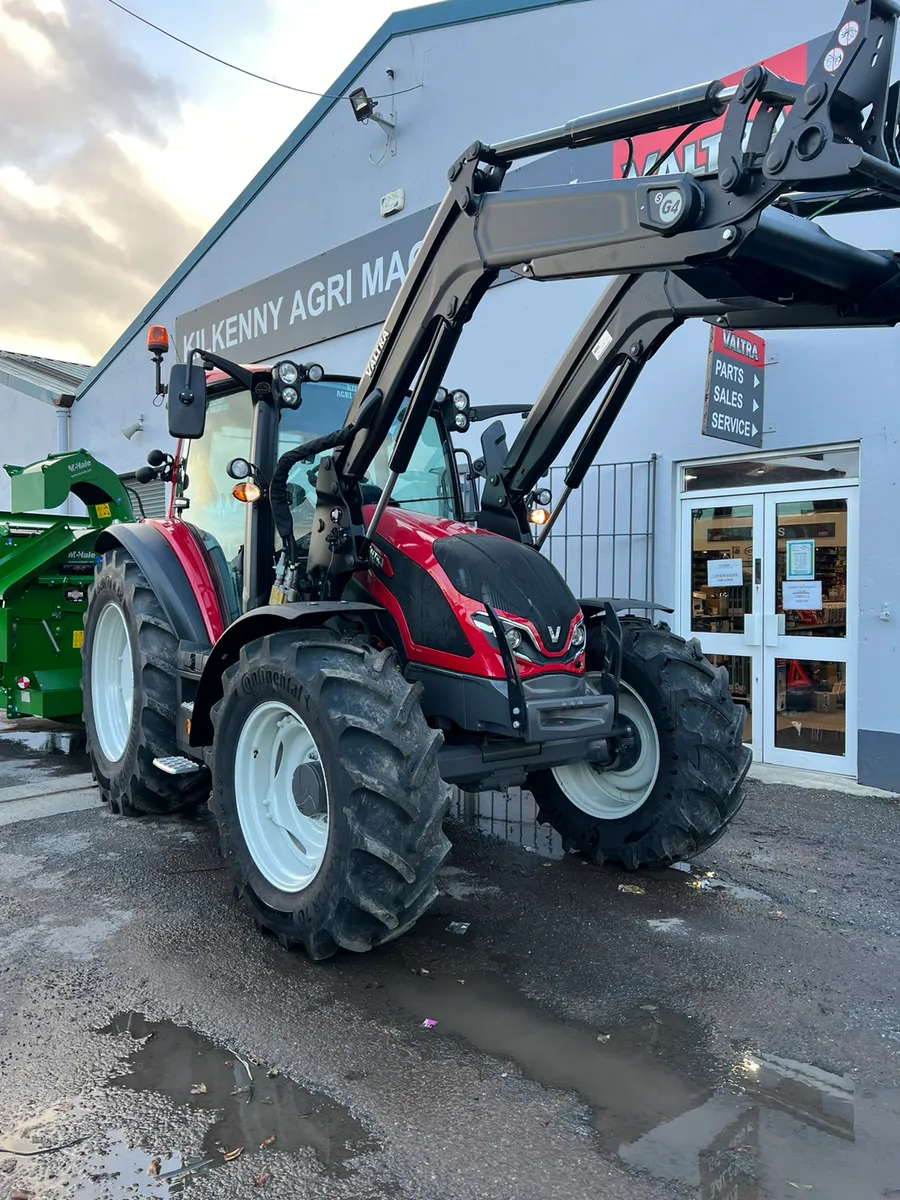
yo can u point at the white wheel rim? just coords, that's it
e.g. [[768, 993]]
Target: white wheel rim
[[610, 795], [286, 845], [112, 683]]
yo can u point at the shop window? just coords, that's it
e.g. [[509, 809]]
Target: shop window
[[721, 568], [811, 467], [810, 706]]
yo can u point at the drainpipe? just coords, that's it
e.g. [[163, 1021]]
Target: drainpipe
[[63, 406]]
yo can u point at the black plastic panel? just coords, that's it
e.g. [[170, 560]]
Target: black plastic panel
[[429, 617], [513, 578]]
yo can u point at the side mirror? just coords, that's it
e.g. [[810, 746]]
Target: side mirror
[[493, 449], [187, 401]]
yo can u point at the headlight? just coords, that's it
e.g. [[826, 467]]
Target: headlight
[[461, 421], [460, 401], [288, 372], [290, 397], [513, 638], [578, 636], [314, 373]]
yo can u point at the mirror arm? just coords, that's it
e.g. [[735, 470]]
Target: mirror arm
[[236, 372], [487, 412]]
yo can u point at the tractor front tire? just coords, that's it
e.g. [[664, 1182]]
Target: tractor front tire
[[327, 791], [128, 682], [681, 785]]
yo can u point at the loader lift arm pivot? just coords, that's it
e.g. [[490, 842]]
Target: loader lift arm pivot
[[727, 248]]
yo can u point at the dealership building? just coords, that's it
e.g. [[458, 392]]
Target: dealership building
[[766, 521]]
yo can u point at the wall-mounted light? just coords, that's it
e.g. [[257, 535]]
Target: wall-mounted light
[[364, 109]]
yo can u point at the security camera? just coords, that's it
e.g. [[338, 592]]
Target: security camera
[[130, 430]]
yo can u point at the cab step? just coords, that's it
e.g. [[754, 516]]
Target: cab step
[[177, 764]]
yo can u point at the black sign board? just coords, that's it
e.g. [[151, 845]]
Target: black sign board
[[735, 387]]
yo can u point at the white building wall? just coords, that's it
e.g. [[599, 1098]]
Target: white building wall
[[27, 433]]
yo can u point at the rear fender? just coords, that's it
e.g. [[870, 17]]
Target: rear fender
[[271, 618]]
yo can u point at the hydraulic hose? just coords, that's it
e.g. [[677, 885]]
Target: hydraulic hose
[[278, 489]]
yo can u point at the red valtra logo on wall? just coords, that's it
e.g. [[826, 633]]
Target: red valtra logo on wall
[[699, 154]]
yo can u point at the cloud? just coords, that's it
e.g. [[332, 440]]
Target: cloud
[[85, 237], [110, 172]]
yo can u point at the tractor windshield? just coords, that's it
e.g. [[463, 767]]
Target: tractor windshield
[[425, 487]]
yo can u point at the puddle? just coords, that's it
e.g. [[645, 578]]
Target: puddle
[[783, 1129], [762, 1128], [511, 816], [738, 890], [50, 753], [46, 741], [246, 1104], [652, 1068]]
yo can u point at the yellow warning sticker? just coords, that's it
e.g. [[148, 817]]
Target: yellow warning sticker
[[102, 510], [77, 638]]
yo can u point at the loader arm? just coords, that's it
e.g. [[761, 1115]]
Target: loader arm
[[717, 247]]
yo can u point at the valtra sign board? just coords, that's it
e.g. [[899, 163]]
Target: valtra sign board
[[735, 387]]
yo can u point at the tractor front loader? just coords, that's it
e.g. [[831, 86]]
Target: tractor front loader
[[324, 637]]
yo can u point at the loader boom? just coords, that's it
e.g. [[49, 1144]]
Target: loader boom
[[730, 248]]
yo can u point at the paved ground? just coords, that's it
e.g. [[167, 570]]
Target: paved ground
[[736, 1042]]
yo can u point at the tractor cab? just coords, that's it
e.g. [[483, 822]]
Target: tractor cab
[[251, 441], [223, 480]]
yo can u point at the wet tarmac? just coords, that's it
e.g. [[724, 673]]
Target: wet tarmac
[[42, 749], [730, 1031]]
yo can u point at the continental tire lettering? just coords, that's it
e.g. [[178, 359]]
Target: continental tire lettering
[[264, 677], [377, 352]]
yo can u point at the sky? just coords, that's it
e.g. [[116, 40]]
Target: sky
[[119, 148]]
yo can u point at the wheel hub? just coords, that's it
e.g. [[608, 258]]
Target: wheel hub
[[610, 793], [628, 749], [309, 790]]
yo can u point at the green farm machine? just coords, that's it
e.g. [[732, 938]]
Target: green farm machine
[[46, 567]]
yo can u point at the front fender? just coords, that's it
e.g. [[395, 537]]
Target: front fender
[[271, 618], [594, 607]]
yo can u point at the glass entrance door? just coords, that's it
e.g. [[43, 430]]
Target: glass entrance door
[[722, 600], [769, 589], [810, 634]]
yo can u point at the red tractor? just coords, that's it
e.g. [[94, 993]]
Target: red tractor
[[335, 625]]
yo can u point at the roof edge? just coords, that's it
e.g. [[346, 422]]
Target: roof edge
[[408, 21], [26, 388]]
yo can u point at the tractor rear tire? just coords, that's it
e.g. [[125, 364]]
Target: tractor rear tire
[[327, 791], [128, 682], [675, 797]]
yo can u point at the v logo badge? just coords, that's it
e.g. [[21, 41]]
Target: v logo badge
[[553, 630]]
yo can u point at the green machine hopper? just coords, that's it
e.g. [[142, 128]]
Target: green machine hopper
[[46, 566]]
